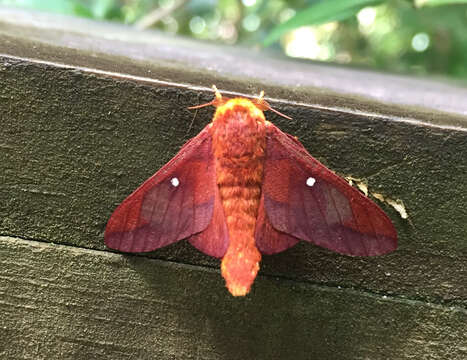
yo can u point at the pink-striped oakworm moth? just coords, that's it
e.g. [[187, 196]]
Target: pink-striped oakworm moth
[[242, 188]]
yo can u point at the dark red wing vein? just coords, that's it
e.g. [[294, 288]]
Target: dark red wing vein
[[181, 204], [324, 219], [193, 207], [370, 221], [330, 196], [120, 235], [153, 207], [357, 224]]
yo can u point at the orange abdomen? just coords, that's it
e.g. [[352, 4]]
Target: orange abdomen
[[239, 141]]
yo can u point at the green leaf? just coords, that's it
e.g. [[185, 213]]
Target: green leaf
[[82, 10], [100, 9], [320, 13], [420, 3]]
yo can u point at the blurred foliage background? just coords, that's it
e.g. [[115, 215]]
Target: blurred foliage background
[[408, 36]]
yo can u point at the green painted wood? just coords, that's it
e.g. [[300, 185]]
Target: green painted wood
[[61, 302]]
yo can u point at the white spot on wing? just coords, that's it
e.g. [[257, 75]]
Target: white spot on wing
[[310, 181], [175, 182]]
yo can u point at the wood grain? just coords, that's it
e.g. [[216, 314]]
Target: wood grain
[[63, 302]]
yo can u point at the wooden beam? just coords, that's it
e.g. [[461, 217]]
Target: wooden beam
[[62, 302], [88, 111]]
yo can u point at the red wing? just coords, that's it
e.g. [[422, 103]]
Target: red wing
[[175, 203], [304, 199]]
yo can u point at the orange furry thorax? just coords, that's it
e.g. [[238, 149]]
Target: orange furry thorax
[[238, 131]]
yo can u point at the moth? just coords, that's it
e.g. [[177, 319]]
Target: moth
[[242, 188]]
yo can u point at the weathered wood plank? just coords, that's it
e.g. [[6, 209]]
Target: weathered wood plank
[[73, 147], [154, 56], [62, 302], [79, 132]]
